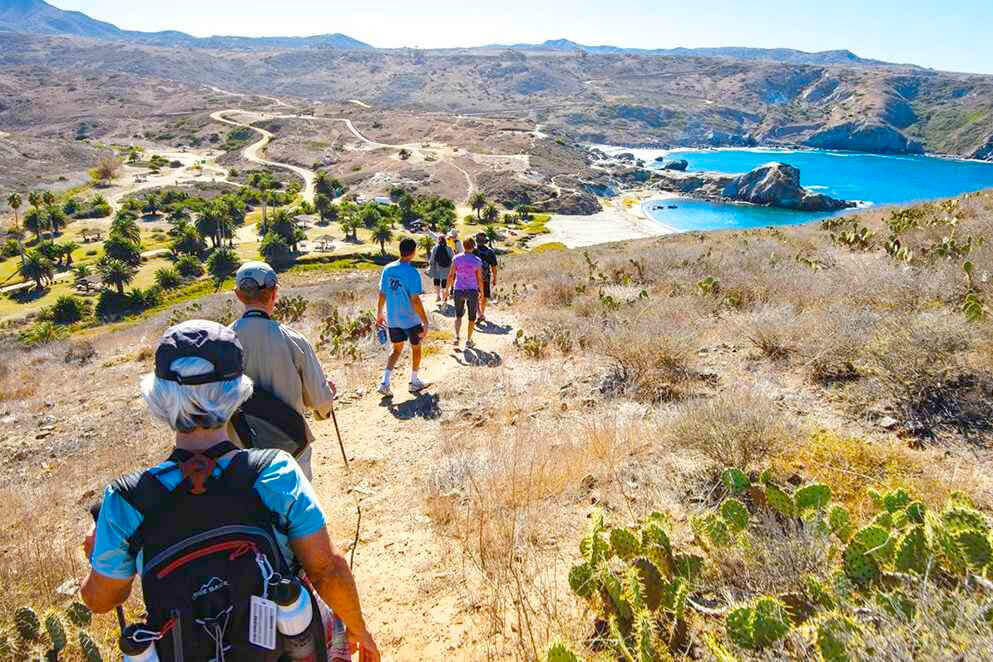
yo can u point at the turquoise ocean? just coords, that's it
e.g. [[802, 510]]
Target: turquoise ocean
[[871, 179]]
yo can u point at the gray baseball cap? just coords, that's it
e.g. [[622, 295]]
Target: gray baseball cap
[[255, 276]]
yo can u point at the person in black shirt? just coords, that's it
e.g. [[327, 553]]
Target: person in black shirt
[[489, 258]]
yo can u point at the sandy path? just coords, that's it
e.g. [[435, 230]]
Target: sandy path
[[410, 586], [251, 153]]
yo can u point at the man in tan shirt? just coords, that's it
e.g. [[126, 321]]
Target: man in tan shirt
[[278, 359]]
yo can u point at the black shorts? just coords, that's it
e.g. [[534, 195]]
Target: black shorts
[[464, 299], [413, 334], [441, 282], [486, 288]]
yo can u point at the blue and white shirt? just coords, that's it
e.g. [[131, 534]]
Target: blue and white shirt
[[282, 487]]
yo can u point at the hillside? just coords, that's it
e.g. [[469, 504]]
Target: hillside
[[625, 99], [40, 18], [843, 373]]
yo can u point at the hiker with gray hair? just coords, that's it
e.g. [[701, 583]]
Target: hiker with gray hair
[[219, 535], [288, 377]]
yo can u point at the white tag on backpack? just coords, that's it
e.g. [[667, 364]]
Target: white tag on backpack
[[262, 623]]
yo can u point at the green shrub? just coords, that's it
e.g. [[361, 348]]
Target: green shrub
[[189, 267], [10, 248], [68, 309], [168, 278]]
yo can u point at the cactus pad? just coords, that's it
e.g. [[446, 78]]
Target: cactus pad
[[651, 580], [634, 591], [883, 520], [877, 541], [818, 593], [711, 530], [896, 500], [735, 514], [975, 546], [687, 566], [912, 551], [915, 512], [27, 623], [840, 522], [735, 480], [771, 622], [814, 495], [91, 651], [739, 626], [56, 632], [836, 634], [560, 653], [655, 545], [859, 566], [624, 544], [79, 615], [581, 580], [779, 501], [963, 517]]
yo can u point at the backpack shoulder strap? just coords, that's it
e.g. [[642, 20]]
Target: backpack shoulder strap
[[247, 466], [145, 493]]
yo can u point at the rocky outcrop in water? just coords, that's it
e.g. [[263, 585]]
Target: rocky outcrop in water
[[772, 185], [676, 164], [985, 151], [864, 137]]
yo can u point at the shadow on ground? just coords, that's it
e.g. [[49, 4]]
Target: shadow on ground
[[478, 358], [492, 329], [425, 405]]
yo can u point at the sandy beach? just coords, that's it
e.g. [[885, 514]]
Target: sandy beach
[[622, 218]]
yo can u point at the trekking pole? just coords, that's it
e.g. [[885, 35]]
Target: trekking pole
[[341, 445]]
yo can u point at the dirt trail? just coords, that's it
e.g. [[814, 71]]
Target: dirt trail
[[410, 593]]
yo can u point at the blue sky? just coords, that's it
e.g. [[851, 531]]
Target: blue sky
[[951, 35]]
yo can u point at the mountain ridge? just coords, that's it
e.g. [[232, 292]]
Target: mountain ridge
[[785, 55], [40, 18]]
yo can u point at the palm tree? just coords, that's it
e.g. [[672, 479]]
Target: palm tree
[[350, 225], [37, 267], [524, 213], [491, 214], [477, 202], [35, 199], [125, 227], [116, 272], [264, 183], [491, 234], [34, 220], [382, 233], [222, 263], [14, 200], [66, 249]]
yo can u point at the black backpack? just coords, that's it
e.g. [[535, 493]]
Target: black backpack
[[442, 256], [208, 547]]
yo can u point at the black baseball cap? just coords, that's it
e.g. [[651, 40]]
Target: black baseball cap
[[200, 339]]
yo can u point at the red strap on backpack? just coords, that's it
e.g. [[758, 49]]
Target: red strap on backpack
[[197, 470]]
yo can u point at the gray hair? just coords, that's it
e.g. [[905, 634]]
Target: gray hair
[[185, 408]]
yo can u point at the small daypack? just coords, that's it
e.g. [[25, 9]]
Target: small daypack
[[442, 256], [265, 421], [208, 547]]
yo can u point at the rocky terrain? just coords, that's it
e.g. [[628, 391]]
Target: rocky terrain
[[773, 185], [616, 98]]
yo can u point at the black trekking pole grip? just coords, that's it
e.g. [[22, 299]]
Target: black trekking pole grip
[[121, 621]]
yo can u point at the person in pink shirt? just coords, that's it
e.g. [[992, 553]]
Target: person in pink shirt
[[465, 281]]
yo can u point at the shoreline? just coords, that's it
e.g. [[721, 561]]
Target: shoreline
[[623, 218]]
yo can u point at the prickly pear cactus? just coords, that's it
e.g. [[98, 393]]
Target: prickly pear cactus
[[91, 651], [877, 541], [883, 520], [912, 551], [780, 501], [898, 604], [836, 635], [735, 480], [6, 649], [771, 622], [56, 632], [963, 517], [634, 591], [711, 530], [916, 511], [624, 544], [79, 615], [840, 522], [652, 581], [560, 653], [975, 546], [735, 514], [896, 500], [818, 593], [739, 626], [877, 498], [581, 580], [814, 495], [655, 545], [27, 623], [859, 566]]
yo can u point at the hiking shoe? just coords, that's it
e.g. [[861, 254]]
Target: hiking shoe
[[416, 386], [470, 344], [384, 390], [456, 343]]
